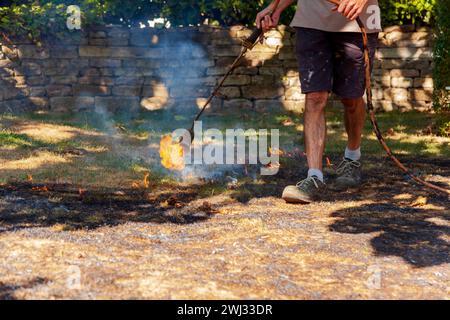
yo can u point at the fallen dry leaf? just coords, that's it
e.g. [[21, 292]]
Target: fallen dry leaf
[[287, 123], [135, 185], [273, 165], [420, 201], [276, 151]]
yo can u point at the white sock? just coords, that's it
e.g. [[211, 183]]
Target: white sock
[[354, 155], [315, 172]]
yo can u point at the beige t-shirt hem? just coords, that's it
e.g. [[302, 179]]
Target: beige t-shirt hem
[[352, 26], [318, 14]]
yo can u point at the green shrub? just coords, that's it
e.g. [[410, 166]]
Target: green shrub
[[442, 57], [407, 12], [35, 19]]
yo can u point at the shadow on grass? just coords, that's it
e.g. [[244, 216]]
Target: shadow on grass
[[417, 235], [67, 208], [7, 290], [409, 233]]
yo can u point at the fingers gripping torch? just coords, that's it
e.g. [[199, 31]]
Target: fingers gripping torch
[[247, 45]]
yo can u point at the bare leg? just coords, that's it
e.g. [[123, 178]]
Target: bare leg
[[355, 115], [315, 128]]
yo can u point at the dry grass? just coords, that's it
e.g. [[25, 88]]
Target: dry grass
[[204, 241]]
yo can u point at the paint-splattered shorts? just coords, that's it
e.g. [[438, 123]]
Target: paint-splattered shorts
[[333, 61]]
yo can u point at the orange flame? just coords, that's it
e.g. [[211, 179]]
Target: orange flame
[[43, 188], [172, 154], [277, 152], [146, 182]]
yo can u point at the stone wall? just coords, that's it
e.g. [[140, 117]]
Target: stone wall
[[121, 69]]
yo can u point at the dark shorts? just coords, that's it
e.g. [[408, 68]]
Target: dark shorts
[[333, 61]]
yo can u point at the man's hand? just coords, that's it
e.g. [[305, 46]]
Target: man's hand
[[267, 19], [351, 9]]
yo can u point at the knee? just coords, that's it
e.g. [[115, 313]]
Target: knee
[[351, 105], [316, 101]]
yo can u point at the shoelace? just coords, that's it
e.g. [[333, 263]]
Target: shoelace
[[346, 167], [307, 181]]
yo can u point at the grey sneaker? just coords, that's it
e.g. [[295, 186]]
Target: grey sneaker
[[306, 191], [349, 174]]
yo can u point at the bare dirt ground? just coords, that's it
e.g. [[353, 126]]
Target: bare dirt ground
[[387, 240], [77, 219]]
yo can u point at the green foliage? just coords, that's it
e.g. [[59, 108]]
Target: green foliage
[[442, 58], [35, 18], [444, 129], [407, 11]]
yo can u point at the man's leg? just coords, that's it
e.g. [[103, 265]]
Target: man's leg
[[315, 131], [315, 58], [349, 83], [349, 171], [354, 117]]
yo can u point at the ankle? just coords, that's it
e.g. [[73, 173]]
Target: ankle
[[354, 155], [316, 173]]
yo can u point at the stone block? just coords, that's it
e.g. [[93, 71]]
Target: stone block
[[408, 73], [38, 91], [132, 91], [105, 63], [231, 92], [225, 51], [263, 80], [153, 103], [108, 42], [381, 81], [421, 94], [121, 33], [90, 90], [97, 34], [57, 90], [402, 82], [119, 52], [37, 80], [396, 94], [258, 92], [426, 82], [278, 72], [237, 80], [63, 79], [28, 68], [32, 52], [39, 103], [71, 104], [129, 80], [404, 53], [117, 104], [104, 81], [64, 52], [238, 103], [294, 94], [384, 105]]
